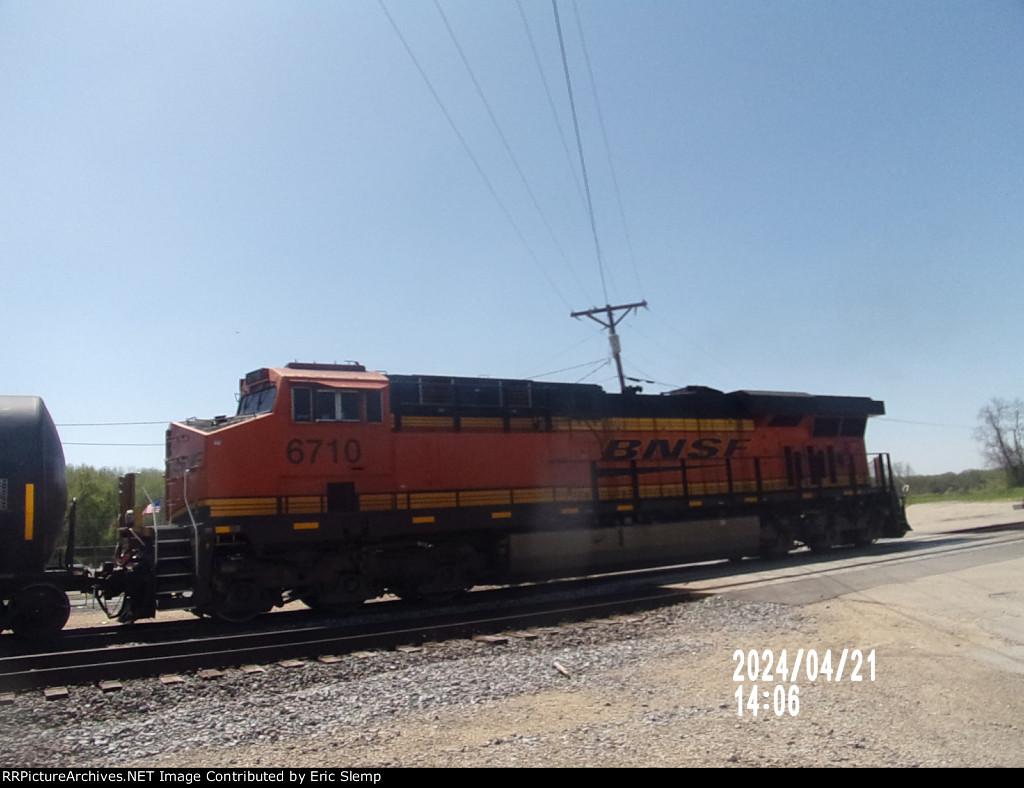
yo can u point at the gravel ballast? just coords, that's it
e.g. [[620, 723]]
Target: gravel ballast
[[649, 689], [652, 689]]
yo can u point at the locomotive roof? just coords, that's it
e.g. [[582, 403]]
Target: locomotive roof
[[442, 393], [785, 402], [425, 394], [349, 374]]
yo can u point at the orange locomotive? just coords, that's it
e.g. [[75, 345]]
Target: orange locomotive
[[334, 485]]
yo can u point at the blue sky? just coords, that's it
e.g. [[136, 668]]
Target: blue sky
[[812, 196]]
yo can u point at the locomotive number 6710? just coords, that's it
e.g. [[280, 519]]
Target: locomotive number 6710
[[302, 450]]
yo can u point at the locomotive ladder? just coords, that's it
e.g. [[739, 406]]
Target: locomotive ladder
[[173, 561]]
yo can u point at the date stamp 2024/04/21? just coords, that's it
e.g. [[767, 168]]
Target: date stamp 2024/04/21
[[772, 685]]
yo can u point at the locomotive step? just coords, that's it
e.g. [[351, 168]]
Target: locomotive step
[[164, 559], [174, 588], [174, 583]]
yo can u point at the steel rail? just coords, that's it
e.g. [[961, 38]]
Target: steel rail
[[146, 660], [115, 653]]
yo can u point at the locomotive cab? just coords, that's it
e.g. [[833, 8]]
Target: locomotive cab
[[282, 472]]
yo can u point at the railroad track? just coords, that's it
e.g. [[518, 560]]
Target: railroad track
[[116, 653], [84, 662]]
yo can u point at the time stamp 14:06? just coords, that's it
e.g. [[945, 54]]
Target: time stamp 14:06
[[770, 685]]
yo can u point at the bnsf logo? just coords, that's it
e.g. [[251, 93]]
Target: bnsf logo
[[700, 449]]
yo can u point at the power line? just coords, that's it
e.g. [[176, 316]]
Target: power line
[[468, 150], [559, 354], [602, 362], [926, 423], [607, 146], [579, 149], [551, 103], [505, 143], [76, 443], [609, 312], [114, 424], [600, 365]]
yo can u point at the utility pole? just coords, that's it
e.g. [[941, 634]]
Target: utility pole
[[609, 321]]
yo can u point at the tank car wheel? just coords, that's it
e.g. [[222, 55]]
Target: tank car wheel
[[39, 611]]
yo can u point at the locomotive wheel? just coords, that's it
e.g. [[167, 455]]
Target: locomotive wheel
[[317, 603], [431, 597], [240, 602], [39, 611], [776, 540], [865, 536], [825, 534], [344, 594], [823, 542], [236, 616], [443, 597], [440, 574]]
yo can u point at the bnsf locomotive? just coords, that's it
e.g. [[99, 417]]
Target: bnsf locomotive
[[335, 485]]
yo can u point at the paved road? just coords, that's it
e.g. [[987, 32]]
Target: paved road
[[960, 572]]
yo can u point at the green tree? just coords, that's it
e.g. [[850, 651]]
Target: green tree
[[96, 492]]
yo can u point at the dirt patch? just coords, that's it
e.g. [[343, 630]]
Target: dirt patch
[[940, 517]]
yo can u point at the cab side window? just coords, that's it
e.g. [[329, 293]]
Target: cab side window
[[323, 404], [374, 407], [302, 404]]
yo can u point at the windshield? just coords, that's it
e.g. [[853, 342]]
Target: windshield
[[257, 401]]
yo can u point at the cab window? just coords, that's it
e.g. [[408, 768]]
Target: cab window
[[257, 401], [374, 407], [328, 404]]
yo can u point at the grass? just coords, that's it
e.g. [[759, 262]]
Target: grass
[[984, 495], [973, 486]]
